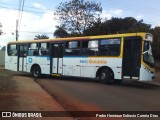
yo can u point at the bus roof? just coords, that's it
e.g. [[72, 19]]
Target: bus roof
[[142, 34]]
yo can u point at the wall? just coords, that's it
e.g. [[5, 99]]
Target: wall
[[2, 57]]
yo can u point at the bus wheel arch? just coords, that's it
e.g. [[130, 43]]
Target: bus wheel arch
[[105, 74], [36, 70]]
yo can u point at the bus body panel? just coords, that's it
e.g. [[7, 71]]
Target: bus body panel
[[88, 71], [146, 74], [43, 62], [11, 63], [88, 66]]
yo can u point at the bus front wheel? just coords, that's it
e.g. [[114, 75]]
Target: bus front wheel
[[36, 71], [105, 76]]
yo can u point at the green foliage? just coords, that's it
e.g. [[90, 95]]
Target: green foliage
[[43, 36], [117, 25], [156, 42], [60, 32], [79, 18], [77, 15]]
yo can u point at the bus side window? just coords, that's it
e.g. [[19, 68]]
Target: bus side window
[[85, 48], [12, 50], [90, 48], [33, 50], [23, 50], [110, 47], [44, 49], [72, 48]]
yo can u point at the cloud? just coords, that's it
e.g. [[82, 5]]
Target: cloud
[[139, 17], [37, 5], [117, 12], [112, 13], [31, 25]]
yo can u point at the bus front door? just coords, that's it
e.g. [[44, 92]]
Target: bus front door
[[23, 49], [131, 57], [57, 60]]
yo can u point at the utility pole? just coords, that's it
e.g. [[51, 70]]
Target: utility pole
[[17, 32]]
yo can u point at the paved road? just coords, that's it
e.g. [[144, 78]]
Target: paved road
[[84, 94]]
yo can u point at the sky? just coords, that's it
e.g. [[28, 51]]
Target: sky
[[37, 17]]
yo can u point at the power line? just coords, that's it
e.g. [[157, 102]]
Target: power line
[[130, 7], [33, 32], [25, 6], [26, 10], [19, 19], [21, 10]]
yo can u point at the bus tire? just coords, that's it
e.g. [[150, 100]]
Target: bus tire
[[105, 76], [36, 71]]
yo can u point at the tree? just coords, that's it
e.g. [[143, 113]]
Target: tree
[[77, 15], [117, 25], [60, 32], [43, 36], [156, 42]]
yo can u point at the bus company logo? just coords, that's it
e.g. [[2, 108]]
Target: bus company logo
[[6, 114], [84, 61], [93, 61], [30, 60]]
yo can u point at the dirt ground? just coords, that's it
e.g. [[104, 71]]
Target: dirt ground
[[19, 93], [157, 66]]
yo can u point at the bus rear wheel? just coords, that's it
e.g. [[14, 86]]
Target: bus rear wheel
[[36, 71], [106, 76]]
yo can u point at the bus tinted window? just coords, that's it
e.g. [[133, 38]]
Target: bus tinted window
[[93, 44], [72, 48], [44, 49], [110, 41], [33, 50], [33, 46], [110, 47], [90, 48], [23, 50], [12, 50], [73, 44]]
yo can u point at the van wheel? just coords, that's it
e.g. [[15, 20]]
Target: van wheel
[[36, 71], [106, 76]]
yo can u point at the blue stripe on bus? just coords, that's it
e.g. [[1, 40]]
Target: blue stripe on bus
[[63, 56], [39, 56], [75, 56]]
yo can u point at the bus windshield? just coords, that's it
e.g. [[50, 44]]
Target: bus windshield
[[148, 56]]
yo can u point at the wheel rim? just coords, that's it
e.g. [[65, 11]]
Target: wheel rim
[[36, 72], [103, 76]]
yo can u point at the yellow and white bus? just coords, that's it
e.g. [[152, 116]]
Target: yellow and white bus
[[105, 57]]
